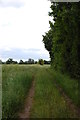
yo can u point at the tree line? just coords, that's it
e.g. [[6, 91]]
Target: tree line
[[63, 38], [29, 61]]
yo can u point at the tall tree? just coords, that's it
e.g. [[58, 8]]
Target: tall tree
[[62, 40]]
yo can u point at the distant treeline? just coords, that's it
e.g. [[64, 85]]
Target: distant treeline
[[30, 61], [63, 39]]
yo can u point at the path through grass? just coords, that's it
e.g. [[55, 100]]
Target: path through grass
[[47, 101]]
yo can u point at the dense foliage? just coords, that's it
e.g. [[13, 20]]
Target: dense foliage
[[41, 61], [62, 40]]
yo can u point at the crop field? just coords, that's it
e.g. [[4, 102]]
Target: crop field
[[48, 101]]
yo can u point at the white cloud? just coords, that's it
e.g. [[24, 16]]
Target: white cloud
[[25, 54], [7, 49], [12, 3], [24, 27]]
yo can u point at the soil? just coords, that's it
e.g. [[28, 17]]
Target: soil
[[28, 103]]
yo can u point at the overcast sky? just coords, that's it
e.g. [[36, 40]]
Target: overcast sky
[[22, 24]]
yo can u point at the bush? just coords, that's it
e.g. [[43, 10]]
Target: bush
[[41, 61]]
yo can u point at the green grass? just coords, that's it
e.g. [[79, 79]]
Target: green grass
[[69, 85], [16, 83], [48, 102]]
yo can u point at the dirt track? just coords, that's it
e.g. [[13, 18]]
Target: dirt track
[[28, 103]]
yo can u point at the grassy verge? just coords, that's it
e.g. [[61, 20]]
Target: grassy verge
[[16, 81], [48, 102], [69, 85]]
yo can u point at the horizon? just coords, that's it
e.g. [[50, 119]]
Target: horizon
[[24, 60], [20, 54]]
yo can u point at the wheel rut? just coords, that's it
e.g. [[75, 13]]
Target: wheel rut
[[28, 102], [69, 102]]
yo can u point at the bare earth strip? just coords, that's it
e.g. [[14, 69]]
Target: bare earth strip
[[28, 103]]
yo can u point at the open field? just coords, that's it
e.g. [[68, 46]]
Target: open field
[[16, 83], [48, 102]]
